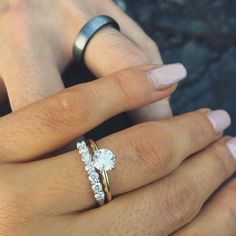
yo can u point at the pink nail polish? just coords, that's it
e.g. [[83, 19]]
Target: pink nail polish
[[167, 75], [220, 120], [231, 144]]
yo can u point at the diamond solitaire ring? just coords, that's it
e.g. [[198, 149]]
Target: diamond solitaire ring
[[103, 160], [92, 174]]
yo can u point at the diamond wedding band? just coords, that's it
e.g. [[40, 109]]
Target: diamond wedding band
[[102, 160], [92, 174]]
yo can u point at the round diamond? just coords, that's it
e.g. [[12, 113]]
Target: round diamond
[[104, 160], [83, 150], [89, 167], [81, 146], [85, 157], [100, 196], [97, 187], [94, 177]]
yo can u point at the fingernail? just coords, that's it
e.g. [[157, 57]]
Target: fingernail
[[231, 144], [220, 120], [168, 75]]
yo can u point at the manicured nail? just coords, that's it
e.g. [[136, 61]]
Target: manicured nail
[[231, 144], [220, 120], [168, 75]]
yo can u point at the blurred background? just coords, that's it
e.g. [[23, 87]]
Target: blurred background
[[202, 35]]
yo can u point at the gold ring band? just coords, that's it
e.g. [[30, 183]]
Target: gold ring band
[[104, 174], [107, 188]]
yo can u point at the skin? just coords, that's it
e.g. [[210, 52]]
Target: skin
[[37, 37], [161, 184], [39, 49]]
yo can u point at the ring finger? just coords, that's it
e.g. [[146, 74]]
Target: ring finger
[[143, 157]]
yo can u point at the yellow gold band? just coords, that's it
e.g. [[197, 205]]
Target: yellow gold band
[[107, 188]]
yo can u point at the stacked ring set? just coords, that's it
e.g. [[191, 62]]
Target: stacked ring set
[[97, 163]]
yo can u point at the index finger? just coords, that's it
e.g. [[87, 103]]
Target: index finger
[[54, 122]]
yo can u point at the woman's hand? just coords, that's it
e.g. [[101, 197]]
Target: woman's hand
[[165, 172], [36, 40]]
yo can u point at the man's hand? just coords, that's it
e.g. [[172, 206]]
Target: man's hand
[[36, 45]]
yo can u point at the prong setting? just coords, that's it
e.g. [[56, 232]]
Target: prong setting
[[104, 160]]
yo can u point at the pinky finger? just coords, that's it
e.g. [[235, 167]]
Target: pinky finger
[[217, 218]]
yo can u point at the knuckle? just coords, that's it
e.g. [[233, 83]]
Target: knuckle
[[128, 83], [201, 126], [97, 5], [220, 155], [136, 57], [150, 149], [123, 81], [128, 54], [181, 202]]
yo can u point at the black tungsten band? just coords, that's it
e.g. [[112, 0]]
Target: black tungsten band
[[87, 33]]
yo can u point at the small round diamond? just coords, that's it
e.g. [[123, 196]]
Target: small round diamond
[[97, 187], [100, 196], [82, 148], [81, 144], [85, 157], [104, 160], [94, 177], [89, 167]]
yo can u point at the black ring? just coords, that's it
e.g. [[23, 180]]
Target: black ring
[[87, 32]]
